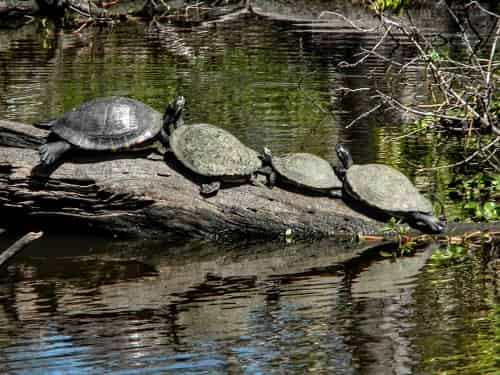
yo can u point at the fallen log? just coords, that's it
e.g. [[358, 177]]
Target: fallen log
[[18, 246], [152, 197]]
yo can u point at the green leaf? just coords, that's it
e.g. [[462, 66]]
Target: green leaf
[[434, 56], [471, 205], [490, 211]]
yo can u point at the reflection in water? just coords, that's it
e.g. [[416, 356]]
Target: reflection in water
[[319, 308]]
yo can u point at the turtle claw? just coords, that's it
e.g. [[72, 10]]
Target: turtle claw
[[210, 189]]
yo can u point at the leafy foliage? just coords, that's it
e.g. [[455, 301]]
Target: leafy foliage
[[479, 195], [405, 243], [384, 5]]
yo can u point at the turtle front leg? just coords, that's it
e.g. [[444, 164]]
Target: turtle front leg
[[210, 189], [271, 179], [428, 223], [52, 152]]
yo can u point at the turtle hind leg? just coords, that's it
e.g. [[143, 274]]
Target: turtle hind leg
[[51, 152], [210, 189], [428, 223]]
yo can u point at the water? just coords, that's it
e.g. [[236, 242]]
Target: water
[[83, 305], [68, 307]]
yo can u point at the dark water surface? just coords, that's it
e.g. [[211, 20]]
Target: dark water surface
[[82, 305]]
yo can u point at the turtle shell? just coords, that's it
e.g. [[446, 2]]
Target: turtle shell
[[385, 188], [307, 170], [213, 152], [109, 123]]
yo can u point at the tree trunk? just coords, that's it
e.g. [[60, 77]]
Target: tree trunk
[[152, 197]]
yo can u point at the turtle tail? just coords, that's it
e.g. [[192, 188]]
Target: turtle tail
[[47, 124]]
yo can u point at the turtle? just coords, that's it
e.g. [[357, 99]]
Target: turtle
[[303, 170], [111, 123], [386, 190], [214, 154]]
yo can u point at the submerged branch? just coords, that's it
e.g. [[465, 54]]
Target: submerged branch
[[19, 245]]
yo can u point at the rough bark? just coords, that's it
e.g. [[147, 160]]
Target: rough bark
[[151, 197]]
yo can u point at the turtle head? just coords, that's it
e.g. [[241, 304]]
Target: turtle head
[[173, 113], [267, 155], [172, 116], [344, 155]]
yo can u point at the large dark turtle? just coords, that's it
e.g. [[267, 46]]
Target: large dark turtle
[[214, 154], [306, 171], [387, 190], [105, 124]]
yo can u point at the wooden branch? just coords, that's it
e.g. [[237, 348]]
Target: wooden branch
[[19, 245], [153, 197]]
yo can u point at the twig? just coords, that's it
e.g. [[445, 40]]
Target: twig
[[344, 64], [348, 21], [395, 103], [363, 115], [466, 160], [492, 55], [482, 9], [19, 245], [406, 135]]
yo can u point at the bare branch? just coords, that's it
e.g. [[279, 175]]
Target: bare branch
[[357, 27], [466, 160], [344, 64], [19, 245], [363, 115]]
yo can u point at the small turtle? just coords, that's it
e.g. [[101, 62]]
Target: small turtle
[[105, 124], [212, 153], [305, 171], [387, 190]]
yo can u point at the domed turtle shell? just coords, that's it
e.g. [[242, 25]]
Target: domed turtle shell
[[385, 188], [213, 152], [109, 123], [307, 171]]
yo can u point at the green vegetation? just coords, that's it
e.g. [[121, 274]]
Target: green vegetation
[[406, 245], [478, 195], [385, 5]]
